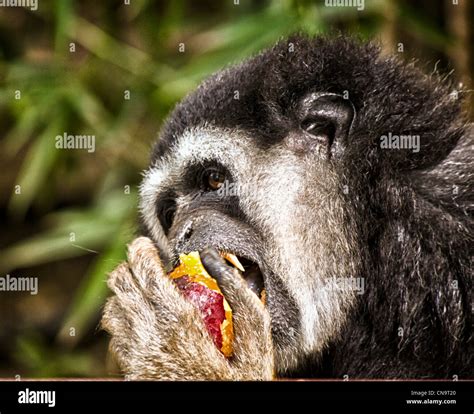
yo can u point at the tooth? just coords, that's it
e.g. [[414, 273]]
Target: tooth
[[232, 258]]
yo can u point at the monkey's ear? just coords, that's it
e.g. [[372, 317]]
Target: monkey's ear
[[325, 120]]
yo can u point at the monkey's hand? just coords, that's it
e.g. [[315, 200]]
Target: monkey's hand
[[158, 334]]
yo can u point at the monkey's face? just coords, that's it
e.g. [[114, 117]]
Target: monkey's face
[[277, 161], [278, 207], [254, 166]]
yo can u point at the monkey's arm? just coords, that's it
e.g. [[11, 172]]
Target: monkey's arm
[[157, 334]]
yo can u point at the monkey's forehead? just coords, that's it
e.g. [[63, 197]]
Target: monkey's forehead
[[259, 94]]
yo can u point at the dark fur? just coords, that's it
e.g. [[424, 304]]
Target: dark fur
[[388, 96], [409, 278]]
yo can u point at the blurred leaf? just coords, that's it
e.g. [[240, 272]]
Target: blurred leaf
[[35, 169], [41, 361], [64, 16], [106, 47], [90, 295], [88, 107], [417, 23], [36, 109], [21, 131], [50, 247], [92, 228]]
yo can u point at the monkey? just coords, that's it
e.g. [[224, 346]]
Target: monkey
[[363, 249]]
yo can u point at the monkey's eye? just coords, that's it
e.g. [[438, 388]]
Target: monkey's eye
[[213, 180]]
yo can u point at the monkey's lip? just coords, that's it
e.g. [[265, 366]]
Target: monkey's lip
[[249, 270]]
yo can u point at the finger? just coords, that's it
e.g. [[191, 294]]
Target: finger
[[116, 323], [122, 283], [230, 281], [143, 258], [131, 297], [150, 275]]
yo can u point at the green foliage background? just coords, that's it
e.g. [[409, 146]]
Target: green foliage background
[[76, 211]]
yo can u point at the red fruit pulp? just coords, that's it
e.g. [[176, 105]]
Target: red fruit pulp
[[209, 303]]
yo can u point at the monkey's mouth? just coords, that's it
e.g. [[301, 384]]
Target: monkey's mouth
[[249, 270], [216, 261]]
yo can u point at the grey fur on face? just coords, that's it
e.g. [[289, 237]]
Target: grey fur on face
[[293, 221]]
